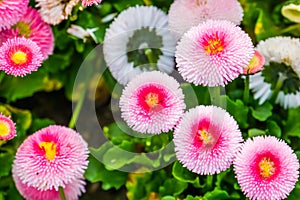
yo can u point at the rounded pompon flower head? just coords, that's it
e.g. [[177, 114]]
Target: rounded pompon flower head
[[55, 11], [207, 140], [280, 78], [266, 168], [72, 190], [7, 128], [33, 27], [11, 11], [20, 56], [139, 40], [90, 2], [152, 102], [50, 158], [213, 53], [184, 14]]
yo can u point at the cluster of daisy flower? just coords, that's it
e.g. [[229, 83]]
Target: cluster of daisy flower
[[26, 37], [210, 50]]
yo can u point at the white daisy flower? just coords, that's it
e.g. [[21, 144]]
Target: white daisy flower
[[281, 71], [55, 11], [139, 40]]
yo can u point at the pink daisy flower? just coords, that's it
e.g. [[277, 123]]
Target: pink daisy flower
[[266, 168], [7, 128], [52, 157], [213, 53], [20, 56], [152, 102], [90, 2], [11, 11], [184, 14], [33, 27], [207, 139], [72, 190]]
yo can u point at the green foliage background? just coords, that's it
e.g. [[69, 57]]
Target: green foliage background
[[262, 19]]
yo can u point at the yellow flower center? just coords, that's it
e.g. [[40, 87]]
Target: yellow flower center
[[49, 148], [214, 46], [152, 100], [204, 136], [4, 129], [24, 29], [19, 57], [267, 167], [201, 2]]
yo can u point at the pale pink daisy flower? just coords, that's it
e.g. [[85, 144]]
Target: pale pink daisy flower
[[213, 53], [152, 102], [11, 11], [55, 11], [32, 26], [184, 14], [20, 56], [72, 190], [266, 168], [7, 128], [50, 158], [207, 139], [90, 2]]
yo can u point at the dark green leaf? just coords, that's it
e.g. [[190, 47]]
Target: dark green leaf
[[239, 111], [255, 132], [216, 194], [172, 187], [274, 129], [262, 112], [96, 171]]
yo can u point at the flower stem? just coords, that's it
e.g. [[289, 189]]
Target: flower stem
[[80, 102], [278, 87], [77, 109], [61, 193], [246, 90], [150, 55], [215, 96], [209, 181]]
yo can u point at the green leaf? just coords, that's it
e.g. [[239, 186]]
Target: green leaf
[[6, 161], [38, 123], [239, 111], [262, 112], [172, 187], [96, 171], [190, 197], [273, 128], [216, 194], [292, 125], [183, 174], [168, 198], [22, 118], [13, 88], [255, 132], [58, 61], [188, 91]]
